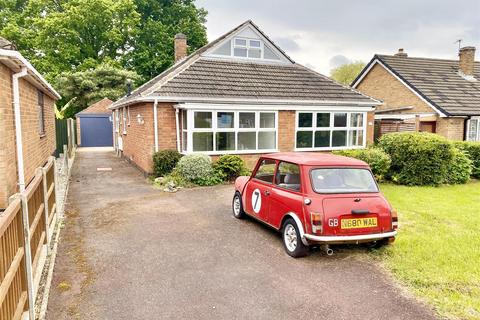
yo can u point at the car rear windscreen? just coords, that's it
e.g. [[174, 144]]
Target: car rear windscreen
[[343, 180]]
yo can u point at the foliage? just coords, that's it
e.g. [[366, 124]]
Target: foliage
[[160, 21], [377, 159], [216, 177], [346, 73], [460, 169], [195, 167], [231, 166], [60, 114], [473, 151], [93, 84], [175, 177], [164, 161], [436, 255], [418, 158]]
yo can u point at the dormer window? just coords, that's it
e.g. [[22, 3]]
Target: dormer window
[[247, 48]]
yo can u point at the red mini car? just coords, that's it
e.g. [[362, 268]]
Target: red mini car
[[316, 199]]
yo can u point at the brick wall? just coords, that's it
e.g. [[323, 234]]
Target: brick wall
[[36, 148], [451, 128], [380, 84]]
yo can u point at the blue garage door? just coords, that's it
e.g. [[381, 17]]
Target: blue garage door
[[95, 130]]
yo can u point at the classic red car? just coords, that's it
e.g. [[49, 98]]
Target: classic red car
[[316, 199]]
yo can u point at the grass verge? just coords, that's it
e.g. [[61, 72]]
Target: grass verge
[[437, 252]]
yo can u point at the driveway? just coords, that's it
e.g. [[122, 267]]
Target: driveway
[[129, 251]]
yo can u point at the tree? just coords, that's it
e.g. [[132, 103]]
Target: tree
[[93, 84], [346, 73], [160, 20]]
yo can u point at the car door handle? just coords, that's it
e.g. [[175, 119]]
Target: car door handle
[[267, 193], [360, 211]]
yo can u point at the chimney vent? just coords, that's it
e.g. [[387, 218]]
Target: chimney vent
[[466, 61], [180, 46], [401, 53]]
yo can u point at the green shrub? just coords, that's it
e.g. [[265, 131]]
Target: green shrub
[[376, 158], [418, 158], [195, 167], [231, 166], [460, 169], [164, 161], [472, 149]]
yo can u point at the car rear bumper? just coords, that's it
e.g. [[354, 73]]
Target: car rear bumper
[[346, 239]]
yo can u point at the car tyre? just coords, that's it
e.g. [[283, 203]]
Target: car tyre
[[237, 206], [292, 241]]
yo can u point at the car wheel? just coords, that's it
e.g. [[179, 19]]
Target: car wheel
[[237, 206], [291, 240]]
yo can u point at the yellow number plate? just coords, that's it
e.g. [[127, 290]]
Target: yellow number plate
[[359, 223]]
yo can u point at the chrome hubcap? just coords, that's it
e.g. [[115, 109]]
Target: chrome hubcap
[[290, 237], [236, 206]]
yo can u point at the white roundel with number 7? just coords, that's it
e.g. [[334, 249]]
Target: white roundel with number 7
[[256, 200]]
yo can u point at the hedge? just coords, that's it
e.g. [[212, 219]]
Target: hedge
[[472, 149], [378, 160], [164, 161], [418, 158], [460, 169]]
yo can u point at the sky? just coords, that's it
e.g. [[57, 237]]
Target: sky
[[324, 34]]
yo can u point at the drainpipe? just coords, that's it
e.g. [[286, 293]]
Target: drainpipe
[[177, 122], [18, 127], [155, 124]]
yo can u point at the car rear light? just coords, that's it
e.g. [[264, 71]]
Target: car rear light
[[316, 221], [394, 215]]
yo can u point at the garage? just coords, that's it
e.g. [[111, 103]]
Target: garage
[[95, 125]]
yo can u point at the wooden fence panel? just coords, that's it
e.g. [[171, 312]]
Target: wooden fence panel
[[13, 287], [61, 133]]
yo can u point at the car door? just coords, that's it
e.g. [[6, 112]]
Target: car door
[[286, 195], [259, 188]]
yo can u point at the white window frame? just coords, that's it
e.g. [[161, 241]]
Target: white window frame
[[477, 135], [330, 128], [124, 120], [236, 129], [247, 46], [128, 116]]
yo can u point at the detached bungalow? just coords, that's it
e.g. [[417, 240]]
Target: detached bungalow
[[27, 121], [423, 94], [240, 94]]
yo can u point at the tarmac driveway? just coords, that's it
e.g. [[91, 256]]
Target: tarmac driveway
[[129, 251]]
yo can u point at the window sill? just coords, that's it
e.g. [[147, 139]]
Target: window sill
[[42, 135], [328, 148]]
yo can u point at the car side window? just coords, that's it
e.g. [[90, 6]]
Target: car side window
[[288, 176], [266, 170]]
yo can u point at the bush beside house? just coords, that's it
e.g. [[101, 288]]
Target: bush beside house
[[164, 161], [472, 149], [378, 160]]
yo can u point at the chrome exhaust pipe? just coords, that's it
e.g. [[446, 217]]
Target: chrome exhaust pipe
[[328, 250]]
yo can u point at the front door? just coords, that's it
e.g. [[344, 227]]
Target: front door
[[428, 126], [257, 197]]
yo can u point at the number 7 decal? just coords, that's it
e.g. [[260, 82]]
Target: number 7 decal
[[256, 200]]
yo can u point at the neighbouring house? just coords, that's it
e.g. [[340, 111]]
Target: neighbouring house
[[424, 94], [27, 121], [240, 94], [94, 125]]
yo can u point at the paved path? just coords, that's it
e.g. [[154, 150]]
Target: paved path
[[129, 251]]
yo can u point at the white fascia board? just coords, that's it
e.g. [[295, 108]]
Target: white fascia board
[[24, 62], [272, 107], [270, 103], [359, 80]]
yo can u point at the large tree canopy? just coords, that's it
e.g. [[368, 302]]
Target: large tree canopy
[[66, 37], [346, 73]]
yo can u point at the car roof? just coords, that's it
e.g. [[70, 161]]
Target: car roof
[[315, 159]]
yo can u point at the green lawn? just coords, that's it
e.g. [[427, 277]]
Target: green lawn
[[437, 251]]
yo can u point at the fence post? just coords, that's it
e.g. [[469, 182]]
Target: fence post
[[65, 156], [28, 253], [46, 209], [55, 180]]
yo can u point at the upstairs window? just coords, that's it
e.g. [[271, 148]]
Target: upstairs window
[[247, 48], [41, 113]]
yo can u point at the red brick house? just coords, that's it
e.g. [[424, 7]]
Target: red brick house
[[424, 94], [240, 94], [27, 121]]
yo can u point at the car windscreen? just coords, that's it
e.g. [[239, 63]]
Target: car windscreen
[[343, 180]]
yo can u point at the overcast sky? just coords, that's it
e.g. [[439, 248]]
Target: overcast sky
[[325, 33]]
